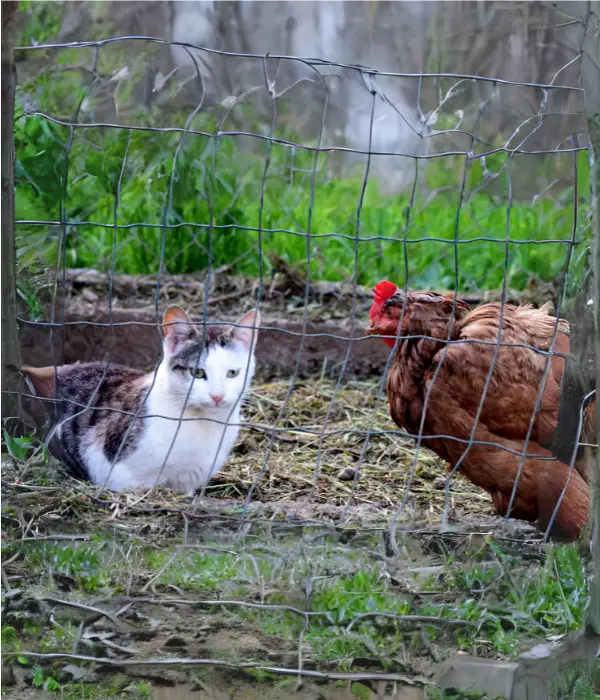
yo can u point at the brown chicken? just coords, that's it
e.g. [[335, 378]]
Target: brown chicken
[[441, 385]]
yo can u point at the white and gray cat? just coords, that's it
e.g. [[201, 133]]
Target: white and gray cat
[[120, 427]]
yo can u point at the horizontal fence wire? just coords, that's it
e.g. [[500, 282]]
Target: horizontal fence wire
[[327, 421], [369, 76]]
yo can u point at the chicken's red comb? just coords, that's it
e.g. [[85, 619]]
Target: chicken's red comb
[[384, 291]]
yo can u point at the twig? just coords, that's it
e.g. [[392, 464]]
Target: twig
[[69, 538], [429, 619], [33, 487], [5, 579], [300, 640], [216, 603], [282, 671], [428, 645], [123, 609], [86, 608], [112, 645], [159, 573], [201, 684]]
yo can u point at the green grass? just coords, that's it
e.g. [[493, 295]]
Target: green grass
[[207, 206], [532, 602], [550, 601], [513, 601], [84, 563], [192, 571], [437, 694], [578, 682]]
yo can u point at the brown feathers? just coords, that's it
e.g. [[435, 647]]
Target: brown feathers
[[475, 378]]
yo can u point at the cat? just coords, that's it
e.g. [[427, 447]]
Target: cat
[[203, 378]]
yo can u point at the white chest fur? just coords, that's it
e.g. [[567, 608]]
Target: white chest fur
[[181, 454]]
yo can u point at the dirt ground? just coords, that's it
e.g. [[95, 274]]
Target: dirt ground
[[305, 332]]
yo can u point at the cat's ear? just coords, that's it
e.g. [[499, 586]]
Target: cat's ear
[[177, 327], [247, 329]]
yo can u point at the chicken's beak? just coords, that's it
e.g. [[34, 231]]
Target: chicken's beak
[[372, 330]]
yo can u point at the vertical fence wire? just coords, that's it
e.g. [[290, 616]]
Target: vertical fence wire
[[263, 520]]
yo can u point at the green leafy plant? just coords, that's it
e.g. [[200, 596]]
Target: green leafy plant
[[19, 448], [44, 681]]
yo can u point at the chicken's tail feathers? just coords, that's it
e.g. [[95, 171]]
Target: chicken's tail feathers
[[551, 493], [563, 499], [576, 401]]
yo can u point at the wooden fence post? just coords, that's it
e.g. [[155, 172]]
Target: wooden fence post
[[590, 74], [9, 339]]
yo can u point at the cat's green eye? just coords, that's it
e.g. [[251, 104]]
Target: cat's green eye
[[233, 373], [197, 373]]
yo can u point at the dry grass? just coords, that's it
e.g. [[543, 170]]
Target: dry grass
[[302, 455], [314, 448]]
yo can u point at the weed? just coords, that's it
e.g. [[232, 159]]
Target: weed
[[10, 639], [191, 570], [260, 675], [28, 292], [84, 563], [19, 448], [576, 682], [510, 599], [437, 694], [141, 689], [583, 689], [41, 679], [550, 600], [83, 691], [360, 691], [112, 687], [43, 21]]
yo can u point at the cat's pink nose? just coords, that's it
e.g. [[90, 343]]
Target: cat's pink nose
[[217, 398]]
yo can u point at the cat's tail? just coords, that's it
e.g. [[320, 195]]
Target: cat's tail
[[38, 387], [46, 414], [40, 380]]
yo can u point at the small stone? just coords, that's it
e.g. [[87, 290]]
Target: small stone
[[175, 641], [8, 675], [495, 678], [347, 474], [90, 296]]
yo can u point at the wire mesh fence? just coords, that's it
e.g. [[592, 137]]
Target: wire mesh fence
[[327, 542]]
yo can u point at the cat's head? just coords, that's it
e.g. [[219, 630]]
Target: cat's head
[[216, 361]]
